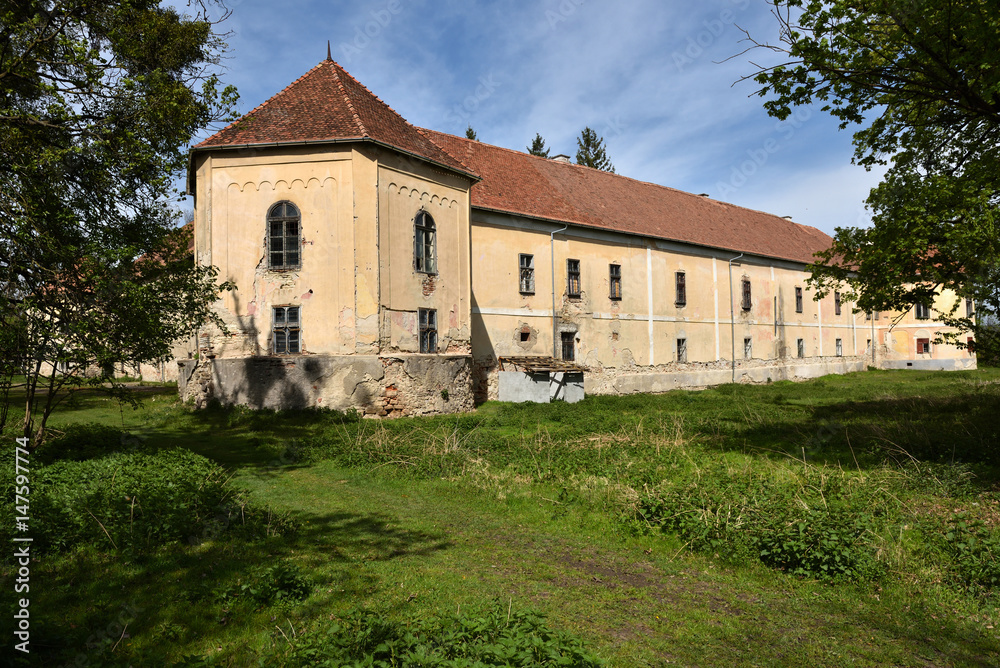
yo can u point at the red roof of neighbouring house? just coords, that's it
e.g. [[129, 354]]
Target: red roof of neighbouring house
[[328, 104], [522, 184]]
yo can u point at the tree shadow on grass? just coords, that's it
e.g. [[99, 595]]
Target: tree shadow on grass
[[962, 429], [105, 608]]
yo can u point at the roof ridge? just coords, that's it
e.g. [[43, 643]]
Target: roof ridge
[[621, 176], [458, 159], [262, 104], [347, 98], [369, 91]]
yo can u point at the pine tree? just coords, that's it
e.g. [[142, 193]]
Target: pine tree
[[471, 134], [591, 152], [538, 147]]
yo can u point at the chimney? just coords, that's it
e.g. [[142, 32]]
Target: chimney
[[561, 158]]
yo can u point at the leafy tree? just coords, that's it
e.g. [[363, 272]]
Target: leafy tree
[[591, 152], [471, 134], [99, 100], [538, 147], [919, 78]]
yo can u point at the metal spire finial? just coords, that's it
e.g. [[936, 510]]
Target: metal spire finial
[[329, 56]]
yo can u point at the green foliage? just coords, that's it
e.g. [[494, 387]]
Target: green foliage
[[920, 79], [135, 501], [82, 441], [974, 549], [282, 582], [538, 147], [591, 151], [471, 134], [495, 637], [99, 102]]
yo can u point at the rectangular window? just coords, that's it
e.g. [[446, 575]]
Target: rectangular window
[[836, 303], [922, 311], [682, 350], [868, 315], [840, 348], [573, 278], [286, 330], [747, 300], [615, 280], [680, 283], [526, 263], [800, 347], [283, 243], [798, 300], [748, 348], [568, 346], [970, 308], [428, 330], [923, 346]]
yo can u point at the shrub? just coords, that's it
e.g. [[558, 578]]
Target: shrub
[[974, 550], [135, 501], [493, 638], [271, 584], [80, 442]]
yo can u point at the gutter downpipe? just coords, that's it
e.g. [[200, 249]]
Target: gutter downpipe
[[552, 259], [732, 314]]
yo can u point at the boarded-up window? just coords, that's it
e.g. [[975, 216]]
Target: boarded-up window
[[747, 297], [923, 346], [798, 300], [573, 278], [680, 283], [836, 303], [615, 280]]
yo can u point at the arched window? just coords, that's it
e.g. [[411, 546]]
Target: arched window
[[424, 240], [283, 236]]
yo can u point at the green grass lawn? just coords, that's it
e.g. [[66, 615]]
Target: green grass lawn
[[634, 523]]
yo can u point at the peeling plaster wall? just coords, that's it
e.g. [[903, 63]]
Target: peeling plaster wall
[[378, 386]]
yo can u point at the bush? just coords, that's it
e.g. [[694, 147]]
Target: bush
[[271, 584], [973, 549], [135, 501], [488, 639], [81, 442]]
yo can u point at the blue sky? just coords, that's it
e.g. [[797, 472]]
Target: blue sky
[[650, 76]]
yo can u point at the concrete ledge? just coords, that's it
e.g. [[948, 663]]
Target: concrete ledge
[[931, 364]]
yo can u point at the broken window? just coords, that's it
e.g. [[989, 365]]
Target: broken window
[[922, 311], [747, 301], [573, 278], [428, 330], [286, 330], [836, 303], [840, 348], [798, 300], [800, 347], [527, 271], [748, 348], [682, 350], [923, 346], [424, 239], [680, 284], [615, 277], [283, 236], [568, 346]]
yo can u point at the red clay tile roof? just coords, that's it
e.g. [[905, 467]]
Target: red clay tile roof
[[325, 104], [522, 184]]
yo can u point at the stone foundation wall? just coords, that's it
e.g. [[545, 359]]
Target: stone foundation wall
[[637, 379], [383, 386]]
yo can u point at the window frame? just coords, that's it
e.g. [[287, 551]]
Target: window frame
[[921, 311], [839, 347], [574, 287], [836, 303], [294, 239], [567, 339], [970, 308], [680, 288], [800, 348], [427, 334], [682, 351], [798, 299], [747, 295], [526, 273], [285, 326], [923, 346], [424, 243], [748, 347], [615, 282]]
